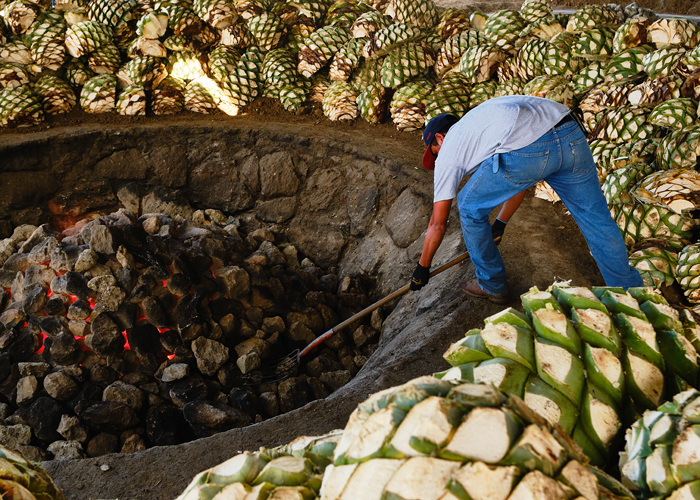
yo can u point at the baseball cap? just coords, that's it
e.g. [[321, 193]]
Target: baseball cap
[[434, 126]]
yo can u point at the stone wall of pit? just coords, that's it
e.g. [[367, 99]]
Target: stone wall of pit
[[327, 195]]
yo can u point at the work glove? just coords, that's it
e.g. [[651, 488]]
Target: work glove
[[497, 230], [420, 277]]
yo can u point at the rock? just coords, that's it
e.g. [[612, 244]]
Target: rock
[[101, 283], [43, 416], [362, 335], [377, 319], [102, 444], [103, 239], [152, 225], [360, 360], [65, 350], [160, 201], [107, 338], [35, 300], [7, 248], [72, 429], [269, 405], [278, 176], [12, 436], [109, 416], [232, 281], [320, 364], [277, 211], [12, 317], [79, 310], [175, 372], [360, 205], [125, 258], [210, 355], [319, 390], [60, 386], [53, 325], [336, 380], [186, 390], [78, 328], [245, 400], [300, 333], [179, 284], [208, 418], [133, 444], [273, 325], [153, 310], [166, 426], [86, 260], [102, 375], [71, 283], [57, 305], [128, 196], [294, 393], [64, 258], [128, 394], [33, 453], [254, 315], [407, 218], [259, 346], [66, 450], [26, 389], [41, 252], [324, 243], [36, 369], [248, 362]]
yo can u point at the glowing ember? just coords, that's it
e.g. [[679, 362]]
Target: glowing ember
[[171, 356], [127, 347], [43, 337]]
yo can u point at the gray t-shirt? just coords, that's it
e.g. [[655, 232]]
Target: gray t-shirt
[[498, 125]]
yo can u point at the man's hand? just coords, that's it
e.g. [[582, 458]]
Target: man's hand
[[497, 230], [420, 277]]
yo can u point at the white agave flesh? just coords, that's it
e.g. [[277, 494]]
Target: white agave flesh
[[369, 480], [483, 482], [421, 477]]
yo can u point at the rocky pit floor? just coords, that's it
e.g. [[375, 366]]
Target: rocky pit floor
[[541, 243]]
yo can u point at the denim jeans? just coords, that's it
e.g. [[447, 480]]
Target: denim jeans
[[563, 159]]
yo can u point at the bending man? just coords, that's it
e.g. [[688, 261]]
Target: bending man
[[507, 145]]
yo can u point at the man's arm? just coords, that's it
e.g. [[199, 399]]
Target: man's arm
[[510, 206], [436, 231]]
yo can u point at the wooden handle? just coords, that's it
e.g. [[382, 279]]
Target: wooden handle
[[378, 304]]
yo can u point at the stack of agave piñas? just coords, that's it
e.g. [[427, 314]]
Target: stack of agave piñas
[[428, 439], [589, 360], [21, 479], [661, 456]]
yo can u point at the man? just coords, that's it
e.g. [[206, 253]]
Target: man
[[507, 145]]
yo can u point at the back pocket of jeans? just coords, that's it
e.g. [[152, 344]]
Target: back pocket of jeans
[[583, 160], [524, 168]]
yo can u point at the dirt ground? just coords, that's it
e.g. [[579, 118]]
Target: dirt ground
[[542, 243]]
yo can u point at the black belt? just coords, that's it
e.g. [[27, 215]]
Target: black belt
[[568, 118]]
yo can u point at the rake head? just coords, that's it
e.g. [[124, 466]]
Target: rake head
[[279, 370]]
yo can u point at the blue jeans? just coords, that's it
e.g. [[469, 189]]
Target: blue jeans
[[563, 159]]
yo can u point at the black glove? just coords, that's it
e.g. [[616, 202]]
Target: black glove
[[420, 277], [497, 230]]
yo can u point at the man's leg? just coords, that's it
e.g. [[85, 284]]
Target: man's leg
[[577, 185], [485, 191]]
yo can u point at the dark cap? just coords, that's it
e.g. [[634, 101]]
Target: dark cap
[[435, 126]]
